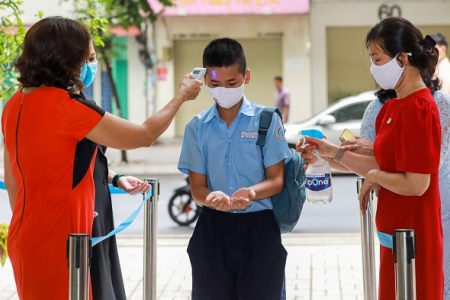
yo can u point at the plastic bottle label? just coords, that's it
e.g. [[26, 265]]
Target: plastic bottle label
[[318, 182]]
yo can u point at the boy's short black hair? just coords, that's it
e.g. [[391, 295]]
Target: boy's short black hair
[[224, 52], [440, 39], [279, 78]]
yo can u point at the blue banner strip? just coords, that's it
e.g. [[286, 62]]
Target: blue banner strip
[[124, 224], [114, 190], [385, 239]]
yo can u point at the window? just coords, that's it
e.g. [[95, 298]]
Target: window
[[352, 112]]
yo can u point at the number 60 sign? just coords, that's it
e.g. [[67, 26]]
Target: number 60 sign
[[385, 11]]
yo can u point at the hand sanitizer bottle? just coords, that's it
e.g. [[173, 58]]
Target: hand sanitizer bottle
[[318, 175]]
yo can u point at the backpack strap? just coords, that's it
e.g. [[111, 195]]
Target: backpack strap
[[264, 123]]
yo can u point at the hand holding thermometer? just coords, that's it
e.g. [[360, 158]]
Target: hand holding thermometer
[[198, 73]]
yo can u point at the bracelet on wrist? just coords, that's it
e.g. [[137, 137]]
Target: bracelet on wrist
[[115, 179], [338, 155]]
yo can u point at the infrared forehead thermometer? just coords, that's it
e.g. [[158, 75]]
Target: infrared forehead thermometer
[[198, 72]]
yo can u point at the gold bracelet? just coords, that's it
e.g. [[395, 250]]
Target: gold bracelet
[[338, 155]]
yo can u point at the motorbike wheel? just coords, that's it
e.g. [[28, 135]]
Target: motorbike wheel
[[182, 209]]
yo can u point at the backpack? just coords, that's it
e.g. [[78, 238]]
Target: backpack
[[287, 205]]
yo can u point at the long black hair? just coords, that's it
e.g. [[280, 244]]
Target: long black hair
[[396, 35]]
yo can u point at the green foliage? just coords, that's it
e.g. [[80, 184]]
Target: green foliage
[[100, 15], [89, 12], [12, 33], [3, 236], [126, 13], [97, 14]]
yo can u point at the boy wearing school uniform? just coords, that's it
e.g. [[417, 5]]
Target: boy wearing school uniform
[[235, 251]]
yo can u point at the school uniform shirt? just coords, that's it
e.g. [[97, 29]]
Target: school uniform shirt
[[229, 157]]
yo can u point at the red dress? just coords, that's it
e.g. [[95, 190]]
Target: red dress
[[409, 140], [52, 165]]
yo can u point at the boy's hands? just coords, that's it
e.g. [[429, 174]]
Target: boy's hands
[[219, 200], [240, 200]]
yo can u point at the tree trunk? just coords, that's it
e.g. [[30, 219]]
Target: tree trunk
[[115, 94]]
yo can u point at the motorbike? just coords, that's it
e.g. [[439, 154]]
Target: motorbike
[[183, 210]]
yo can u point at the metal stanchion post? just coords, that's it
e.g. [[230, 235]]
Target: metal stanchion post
[[404, 248], [368, 247], [79, 255], [150, 240]]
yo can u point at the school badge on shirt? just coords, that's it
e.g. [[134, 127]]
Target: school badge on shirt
[[279, 133], [249, 135]]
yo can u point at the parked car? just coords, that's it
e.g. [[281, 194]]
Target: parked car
[[345, 113]]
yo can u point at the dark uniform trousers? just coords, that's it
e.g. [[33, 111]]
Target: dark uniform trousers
[[237, 256]]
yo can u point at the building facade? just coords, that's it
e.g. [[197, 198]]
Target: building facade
[[276, 43], [317, 46], [338, 29]]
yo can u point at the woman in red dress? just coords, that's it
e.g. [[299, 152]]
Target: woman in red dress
[[404, 169], [51, 138]]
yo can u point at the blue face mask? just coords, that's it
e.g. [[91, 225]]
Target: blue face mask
[[87, 74]]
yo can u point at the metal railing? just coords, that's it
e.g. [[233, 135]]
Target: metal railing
[[368, 247], [150, 240], [79, 255], [404, 249], [79, 252]]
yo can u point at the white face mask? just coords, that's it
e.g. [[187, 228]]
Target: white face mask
[[388, 74], [226, 97]]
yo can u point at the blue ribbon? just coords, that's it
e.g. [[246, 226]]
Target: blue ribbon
[[114, 190], [124, 224], [385, 239]]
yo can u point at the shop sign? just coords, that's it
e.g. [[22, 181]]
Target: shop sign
[[232, 7], [162, 73]]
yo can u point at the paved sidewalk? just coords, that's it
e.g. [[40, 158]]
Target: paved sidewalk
[[159, 159], [319, 266]]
